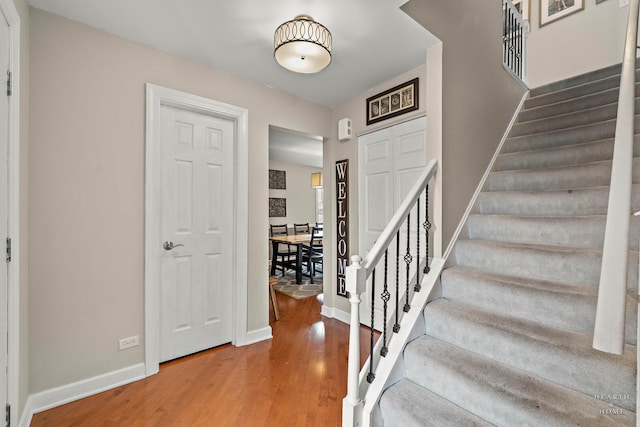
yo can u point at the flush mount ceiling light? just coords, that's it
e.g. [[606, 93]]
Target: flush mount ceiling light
[[302, 45]]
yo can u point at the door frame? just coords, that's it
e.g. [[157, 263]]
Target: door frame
[[8, 10], [157, 96]]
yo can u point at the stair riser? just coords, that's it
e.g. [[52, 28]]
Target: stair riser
[[577, 176], [593, 201], [562, 231], [580, 118], [572, 105], [560, 156], [578, 135], [543, 263], [612, 71], [563, 309], [561, 362]]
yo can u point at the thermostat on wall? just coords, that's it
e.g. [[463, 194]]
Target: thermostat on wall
[[344, 129]]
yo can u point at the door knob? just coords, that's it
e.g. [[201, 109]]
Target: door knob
[[169, 245]]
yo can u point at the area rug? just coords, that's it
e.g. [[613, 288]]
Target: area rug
[[287, 285]]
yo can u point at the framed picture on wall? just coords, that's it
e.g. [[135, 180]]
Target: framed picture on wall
[[393, 102], [523, 6], [277, 207], [552, 10], [277, 180]]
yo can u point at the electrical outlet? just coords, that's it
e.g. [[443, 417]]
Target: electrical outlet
[[623, 3], [129, 342]]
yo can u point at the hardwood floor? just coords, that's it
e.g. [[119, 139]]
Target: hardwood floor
[[296, 379]]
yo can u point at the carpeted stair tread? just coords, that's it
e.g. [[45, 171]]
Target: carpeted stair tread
[[578, 231], [559, 177], [557, 263], [500, 394], [611, 71], [577, 118], [407, 404], [563, 305], [580, 201], [560, 156], [571, 105], [558, 355], [574, 135]]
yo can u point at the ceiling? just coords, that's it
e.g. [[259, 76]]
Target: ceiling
[[373, 40]]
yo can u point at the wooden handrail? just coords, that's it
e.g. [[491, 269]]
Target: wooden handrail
[[608, 334]]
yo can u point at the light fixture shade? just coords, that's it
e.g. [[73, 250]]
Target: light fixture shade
[[316, 180], [302, 45]]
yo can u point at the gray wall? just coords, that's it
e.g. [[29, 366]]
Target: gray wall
[[86, 190], [584, 41], [478, 96]]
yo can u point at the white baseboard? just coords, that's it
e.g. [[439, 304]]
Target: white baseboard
[[334, 313], [259, 335], [57, 396]]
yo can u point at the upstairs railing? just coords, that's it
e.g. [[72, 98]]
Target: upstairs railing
[[514, 40], [400, 288], [610, 313]]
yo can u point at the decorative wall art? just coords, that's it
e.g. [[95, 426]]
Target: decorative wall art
[[393, 102], [552, 10], [342, 223], [277, 207], [277, 180]]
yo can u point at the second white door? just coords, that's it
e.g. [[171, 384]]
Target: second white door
[[197, 227], [390, 162]]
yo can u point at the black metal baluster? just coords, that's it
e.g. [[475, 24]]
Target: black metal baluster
[[417, 286], [407, 259], [396, 326], [504, 32], [426, 225], [520, 51], [371, 376], [385, 299]]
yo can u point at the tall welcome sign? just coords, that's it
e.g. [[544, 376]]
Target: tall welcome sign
[[342, 222]]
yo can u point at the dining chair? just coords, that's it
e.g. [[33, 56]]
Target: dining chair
[[301, 228], [285, 254], [312, 253]]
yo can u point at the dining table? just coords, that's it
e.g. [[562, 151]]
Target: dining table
[[297, 240]]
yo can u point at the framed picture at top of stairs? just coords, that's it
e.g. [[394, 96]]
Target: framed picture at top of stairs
[[552, 10]]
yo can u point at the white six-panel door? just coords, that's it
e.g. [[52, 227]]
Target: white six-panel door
[[197, 220], [390, 162]]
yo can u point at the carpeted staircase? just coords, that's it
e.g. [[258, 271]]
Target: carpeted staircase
[[509, 343]]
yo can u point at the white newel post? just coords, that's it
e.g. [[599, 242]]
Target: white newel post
[[352, 404]]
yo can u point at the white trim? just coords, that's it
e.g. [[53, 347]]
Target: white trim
[[13, 281], [258, 335], [334, 313], [157, 96], [27, 414], [472, 202], [57, 396]]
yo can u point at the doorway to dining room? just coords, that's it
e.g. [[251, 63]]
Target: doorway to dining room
[[295, 213]]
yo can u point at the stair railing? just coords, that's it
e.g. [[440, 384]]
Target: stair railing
[[360, 270], [608, 332], [514, 40]]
